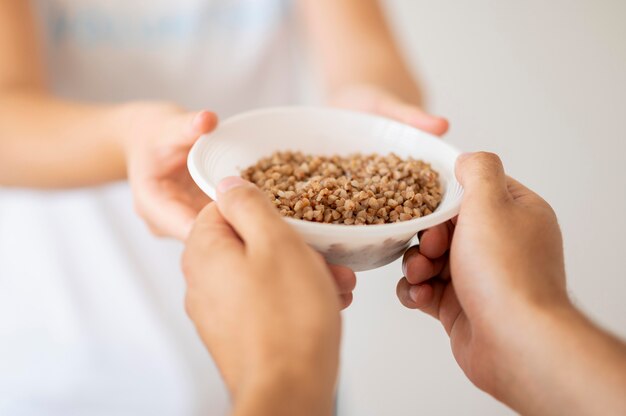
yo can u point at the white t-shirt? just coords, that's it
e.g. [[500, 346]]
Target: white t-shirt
[[91, 305]]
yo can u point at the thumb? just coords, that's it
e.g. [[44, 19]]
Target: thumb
[[248, 210], [482, 174], [188, 127], [211, 240]]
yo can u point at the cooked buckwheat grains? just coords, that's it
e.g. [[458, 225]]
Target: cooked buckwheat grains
[[358, 189]]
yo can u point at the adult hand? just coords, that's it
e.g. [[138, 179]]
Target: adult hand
[[158, 141], [483, 272], [264, 304], [500, 293], [377, 100]]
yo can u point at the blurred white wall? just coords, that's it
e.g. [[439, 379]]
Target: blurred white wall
[[543, 84]]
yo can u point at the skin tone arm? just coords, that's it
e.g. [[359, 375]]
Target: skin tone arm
[[494, 277], [67, 159], [22, 88], [360, 63], [46, 142]]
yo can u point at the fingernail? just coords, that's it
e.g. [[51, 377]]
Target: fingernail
[[229, 183], [199, 119], [414, 292], [193, 127]]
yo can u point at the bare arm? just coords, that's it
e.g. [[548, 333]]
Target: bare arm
[[46, 142], [353, 45], [360, 64], [565, 364], [495, 278]]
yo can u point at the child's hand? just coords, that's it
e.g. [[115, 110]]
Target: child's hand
[[264, 304], [504, 268], [376, 100], [159, 139]]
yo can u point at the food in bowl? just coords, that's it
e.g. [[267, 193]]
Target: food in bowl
[[243, 139], [352, 190]]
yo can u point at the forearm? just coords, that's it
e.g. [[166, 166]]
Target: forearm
[[46, 142], [283, 394], [353, 45], [568, 366]]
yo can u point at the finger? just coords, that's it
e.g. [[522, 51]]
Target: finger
[[212, 234], [345, 300], [418, 268], [202, 122], [248, 210], [425, 297], [211, 242], [188, 127], [482, 174], [166, 217], [413, 116], [403, 292], [435, 241], [445, 273], [178, 220], [345, 279], [451, 225], [449, 308], [519, 191]]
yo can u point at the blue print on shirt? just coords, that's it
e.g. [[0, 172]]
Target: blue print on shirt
[[91, 26]]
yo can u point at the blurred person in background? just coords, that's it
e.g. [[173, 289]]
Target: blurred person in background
[[494, 276], [95, 92]]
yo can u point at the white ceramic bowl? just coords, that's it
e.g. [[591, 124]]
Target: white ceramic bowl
[[241, 140]]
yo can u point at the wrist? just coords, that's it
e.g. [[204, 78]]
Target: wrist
[[120, 117], [134, 117], [108, 126], [126, 117], [535, 367], [285, 391]]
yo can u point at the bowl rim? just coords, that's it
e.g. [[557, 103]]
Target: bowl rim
[[311, 227]]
